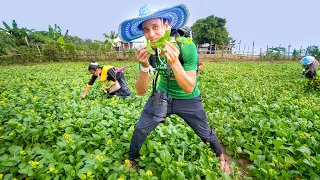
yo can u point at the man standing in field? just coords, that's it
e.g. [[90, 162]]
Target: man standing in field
[[177, 91]]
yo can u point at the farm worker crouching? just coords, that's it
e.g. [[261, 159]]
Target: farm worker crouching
[[200, 65], [177, 91], [117, 86], [309, 67]]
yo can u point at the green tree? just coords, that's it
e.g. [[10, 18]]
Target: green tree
[[210, 30], [295, 54], [313, 51], [95, 46], [276, 53]]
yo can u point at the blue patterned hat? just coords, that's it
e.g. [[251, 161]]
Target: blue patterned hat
[[131, 29], [307, 60]]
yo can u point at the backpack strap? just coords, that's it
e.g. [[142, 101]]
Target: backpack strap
[[176, 34], [181, 59], [185, 32], [153, 64], [180, 54], [154, 58]]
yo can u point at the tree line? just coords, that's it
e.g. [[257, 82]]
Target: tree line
[[29, 45]]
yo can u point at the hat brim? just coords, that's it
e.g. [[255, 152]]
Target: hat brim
[[177, 16], [307, 60]]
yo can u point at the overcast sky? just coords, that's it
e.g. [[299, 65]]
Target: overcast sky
[[267, 22]]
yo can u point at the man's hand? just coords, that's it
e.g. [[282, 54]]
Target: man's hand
[[172, 53], [143, 56], [143, 78]]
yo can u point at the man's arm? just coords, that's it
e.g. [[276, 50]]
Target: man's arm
[[90, 83], [85, 92], [185, 79], [142, 83], [143, 79]]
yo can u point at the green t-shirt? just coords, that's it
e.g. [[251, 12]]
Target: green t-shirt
[[190, 59]]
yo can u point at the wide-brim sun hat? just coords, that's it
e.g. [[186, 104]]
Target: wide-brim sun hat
[[177, 16], [307, 60]]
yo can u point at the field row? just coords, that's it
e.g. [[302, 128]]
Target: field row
[[262, 112]]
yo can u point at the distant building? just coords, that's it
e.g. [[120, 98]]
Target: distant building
[[119, 45], [206, 49]]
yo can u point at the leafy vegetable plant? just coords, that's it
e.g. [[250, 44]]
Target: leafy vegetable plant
[[160, 43]]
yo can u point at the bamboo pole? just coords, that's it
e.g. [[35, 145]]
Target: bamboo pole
[[267, 53], [300, 51], [244, 49], [252, 49]]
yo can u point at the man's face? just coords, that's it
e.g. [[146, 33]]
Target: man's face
[[154, 29]]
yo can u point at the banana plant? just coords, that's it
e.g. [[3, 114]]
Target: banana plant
[[53, 35], [8, 28], [55, 32], [20, 34], [111, 37], [15, 31]]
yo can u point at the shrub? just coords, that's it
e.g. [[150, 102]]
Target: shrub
[[51, 51]]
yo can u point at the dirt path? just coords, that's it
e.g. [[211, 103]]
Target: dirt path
[[241, 163]]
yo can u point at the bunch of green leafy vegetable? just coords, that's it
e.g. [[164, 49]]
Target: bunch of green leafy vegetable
[[160, 43]]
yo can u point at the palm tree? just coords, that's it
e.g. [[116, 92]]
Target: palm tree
[[110, 38]]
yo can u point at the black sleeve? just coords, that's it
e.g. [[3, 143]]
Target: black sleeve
[[91, 81], [111, 74]]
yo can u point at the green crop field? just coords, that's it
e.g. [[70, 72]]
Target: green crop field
[[262, 112]]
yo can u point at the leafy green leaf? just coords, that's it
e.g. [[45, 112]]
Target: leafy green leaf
[[289, 160], [180, 175], [81, 152], [113, 176], [309, 163], [157, 160], [160, 43], [83, 171], [68, 168], [165, 174], [14, 149], [305, 150], [165, 156]]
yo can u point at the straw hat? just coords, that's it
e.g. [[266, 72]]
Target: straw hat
[[131, 29]]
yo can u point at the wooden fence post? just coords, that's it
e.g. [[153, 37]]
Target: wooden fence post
[[252, 49], [244, 49], [300, 51], [260, 55], [267, 52]]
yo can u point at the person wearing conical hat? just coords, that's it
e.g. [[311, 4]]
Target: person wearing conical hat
[[177, 91], [118, 85], [309, 66]]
